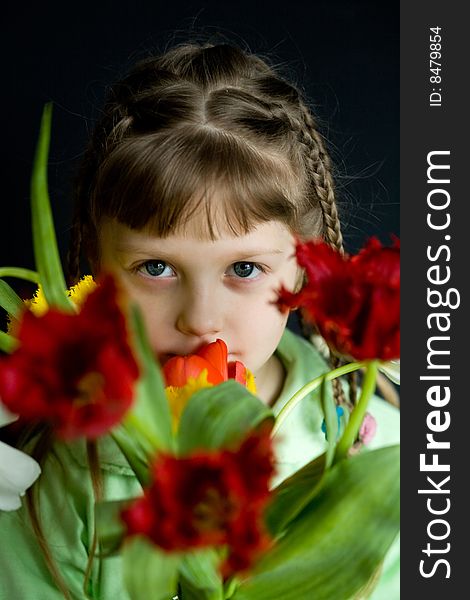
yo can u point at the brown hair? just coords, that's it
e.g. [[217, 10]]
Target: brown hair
[[196, 119]]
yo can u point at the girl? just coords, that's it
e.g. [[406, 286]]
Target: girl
[[204, 168]]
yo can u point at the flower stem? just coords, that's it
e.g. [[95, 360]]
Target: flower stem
[[311, 386], [357, 415]]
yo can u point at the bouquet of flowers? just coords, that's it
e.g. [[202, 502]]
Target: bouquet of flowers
[[208, 524]]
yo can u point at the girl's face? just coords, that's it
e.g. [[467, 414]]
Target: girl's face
[[193, 290]]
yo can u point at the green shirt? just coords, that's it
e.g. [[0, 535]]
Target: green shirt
[[67, 502]]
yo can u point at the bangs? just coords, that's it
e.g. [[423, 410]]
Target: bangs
[[160, 181]]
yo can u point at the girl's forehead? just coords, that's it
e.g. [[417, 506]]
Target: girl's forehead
[[272, 237]]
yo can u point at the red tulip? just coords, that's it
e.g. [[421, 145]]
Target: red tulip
[[75, 372], [353, 301], [210, 498]]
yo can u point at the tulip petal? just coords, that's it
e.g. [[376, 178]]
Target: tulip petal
[[391, 369], [179, 369], [237, 371], [174, 371], [216, 354]]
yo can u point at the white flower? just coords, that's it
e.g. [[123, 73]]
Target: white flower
[[391, 369], [17, 470]]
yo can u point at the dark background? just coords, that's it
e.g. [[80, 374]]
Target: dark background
[[344, 54]]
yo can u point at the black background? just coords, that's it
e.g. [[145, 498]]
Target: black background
[[344, 54]]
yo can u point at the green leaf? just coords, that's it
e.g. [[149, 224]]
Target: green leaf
[[110, 529], [46, 253], [7, 342], [230, 587], [334, 546], [20, 273], [149, 573], [149, 418], [219, 416], [9, 300], [199, 576], [292, 495]]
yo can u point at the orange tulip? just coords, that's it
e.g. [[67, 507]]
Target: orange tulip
[[212, 357], [180, 369], [185, 375]]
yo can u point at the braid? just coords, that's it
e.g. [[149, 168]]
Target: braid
[[323, 181], [320, 166]]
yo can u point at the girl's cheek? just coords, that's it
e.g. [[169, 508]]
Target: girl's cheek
[[158, 326]]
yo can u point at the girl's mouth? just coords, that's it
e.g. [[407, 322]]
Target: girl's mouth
[[165, 357]]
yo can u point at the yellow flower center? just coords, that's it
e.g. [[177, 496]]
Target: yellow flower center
[[250, 382], [178, 396], [77, 293]]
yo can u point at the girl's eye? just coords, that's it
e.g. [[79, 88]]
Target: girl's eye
[[246, 270], [155, 268]]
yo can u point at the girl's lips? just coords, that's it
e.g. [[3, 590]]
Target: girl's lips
[[164, 358]]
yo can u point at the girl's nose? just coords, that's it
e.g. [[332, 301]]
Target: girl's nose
[[200, 316]]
